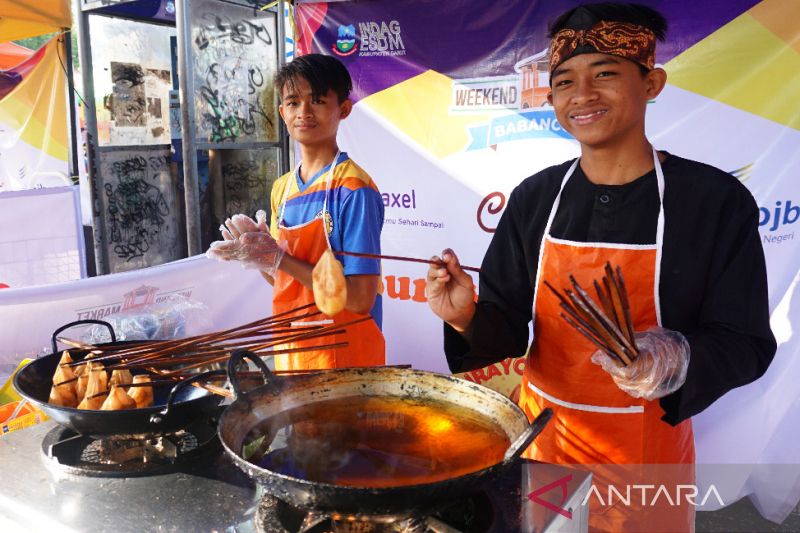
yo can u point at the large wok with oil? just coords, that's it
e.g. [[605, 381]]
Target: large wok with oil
[[279, 395]]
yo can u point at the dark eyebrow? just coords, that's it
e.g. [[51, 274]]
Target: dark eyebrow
[[609, 60]]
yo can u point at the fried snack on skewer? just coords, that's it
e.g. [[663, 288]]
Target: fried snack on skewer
[[118, 399], [329, 284], [143, 396], [121, 376], [66, 394], [82, 373], [97, 384], [63, 395]]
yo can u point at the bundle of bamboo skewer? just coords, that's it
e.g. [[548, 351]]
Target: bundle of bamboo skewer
[[607, 325]]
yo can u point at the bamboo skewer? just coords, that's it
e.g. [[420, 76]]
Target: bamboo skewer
[[151, 351], [402, 258], [244, 374], [221, 358], [608, 325], [606, 322]]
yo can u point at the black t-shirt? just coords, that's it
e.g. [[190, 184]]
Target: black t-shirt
[[713, 278]]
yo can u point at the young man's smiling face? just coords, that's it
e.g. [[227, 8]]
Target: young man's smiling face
[[311, 121], [600, 99]]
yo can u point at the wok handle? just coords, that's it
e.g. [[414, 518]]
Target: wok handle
[[158, 417], [78, 323], [526, 437], [271, 381]]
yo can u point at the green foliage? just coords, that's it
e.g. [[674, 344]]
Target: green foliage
[[34, 43]]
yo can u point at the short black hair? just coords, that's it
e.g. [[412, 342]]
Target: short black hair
[[323, 73], [586, 15]]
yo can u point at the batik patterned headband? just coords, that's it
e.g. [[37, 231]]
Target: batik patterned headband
[[622, 39]]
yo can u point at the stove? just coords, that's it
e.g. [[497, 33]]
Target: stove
[[476, 513], [129, 455], [192, 486]]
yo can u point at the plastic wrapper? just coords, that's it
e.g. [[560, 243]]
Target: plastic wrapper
[[174, 317], [659, 370]]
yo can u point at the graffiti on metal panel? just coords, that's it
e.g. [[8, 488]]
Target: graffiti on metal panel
[[233, 77], [245, 187], [136, 211]]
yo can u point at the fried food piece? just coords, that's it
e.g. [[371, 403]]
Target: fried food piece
[[65, 394], [82, 373], [118, 399], [96, 385], [329, 284], [143, 396], [120, 377]]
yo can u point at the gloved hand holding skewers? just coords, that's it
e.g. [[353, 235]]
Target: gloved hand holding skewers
[[249, 242], [649, 364], [658, 370]]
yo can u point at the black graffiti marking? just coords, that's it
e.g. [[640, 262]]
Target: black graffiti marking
[[241, 32], [157, 163], [121, 168], [136, 210], [255, 79], [242, 175], [228, 119], [226, 111]]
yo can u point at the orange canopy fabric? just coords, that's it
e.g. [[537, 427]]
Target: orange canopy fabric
[[27, 18], [12, 54]]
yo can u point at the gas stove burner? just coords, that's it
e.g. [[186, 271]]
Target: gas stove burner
[[474, 514], [129, 455]]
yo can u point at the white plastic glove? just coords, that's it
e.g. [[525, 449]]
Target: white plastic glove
[[240, 224], [256, 250], [660, 368]]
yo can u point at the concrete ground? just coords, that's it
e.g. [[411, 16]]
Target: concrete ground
[[743, 517]]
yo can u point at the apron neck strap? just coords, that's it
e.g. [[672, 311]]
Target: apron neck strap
[[659, 230], [328, 180]]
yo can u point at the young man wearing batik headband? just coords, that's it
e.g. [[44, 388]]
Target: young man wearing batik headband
[[685, 236]]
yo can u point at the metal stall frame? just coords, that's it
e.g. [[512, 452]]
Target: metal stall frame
[[189, 143]]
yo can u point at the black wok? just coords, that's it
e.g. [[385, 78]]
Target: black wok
[[278, 395], [33, 382]]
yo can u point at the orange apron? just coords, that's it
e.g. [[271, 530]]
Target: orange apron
[[307, 242], [621, 439]]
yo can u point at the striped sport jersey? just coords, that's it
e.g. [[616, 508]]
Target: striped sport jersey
[[355, 213]]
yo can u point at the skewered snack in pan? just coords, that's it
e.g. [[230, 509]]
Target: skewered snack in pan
[[329, 284], [64, 391], [120, 376], [118, 399], [96, 385], [142, 396]]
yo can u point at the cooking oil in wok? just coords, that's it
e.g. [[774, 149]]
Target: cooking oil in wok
[[376, 442]]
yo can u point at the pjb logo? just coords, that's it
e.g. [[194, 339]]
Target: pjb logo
[[346, 44]]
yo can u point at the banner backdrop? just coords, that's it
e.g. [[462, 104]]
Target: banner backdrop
[[29, 316], [33, 122], [40, 250], [450, 116]]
